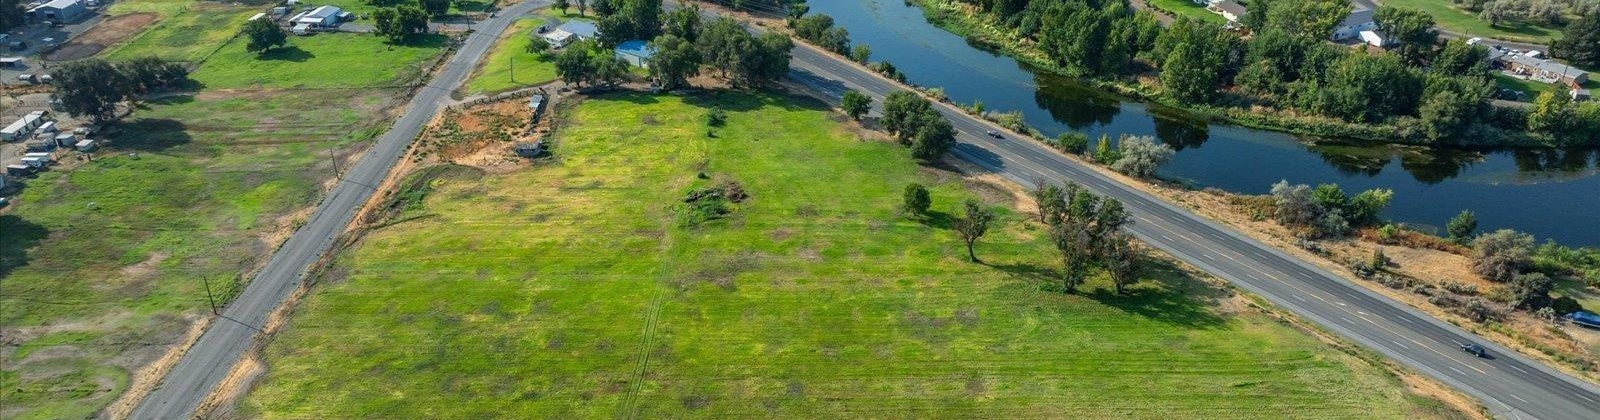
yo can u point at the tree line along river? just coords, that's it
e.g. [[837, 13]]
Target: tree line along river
[[1549, 193]]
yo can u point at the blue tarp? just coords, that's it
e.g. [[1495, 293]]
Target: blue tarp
[[1585, 319]]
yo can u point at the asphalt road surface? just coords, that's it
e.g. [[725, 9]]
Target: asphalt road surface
[[1509, 384], [205, 363]]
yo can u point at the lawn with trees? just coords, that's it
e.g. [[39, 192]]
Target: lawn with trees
[[572, 289], [513, 54]]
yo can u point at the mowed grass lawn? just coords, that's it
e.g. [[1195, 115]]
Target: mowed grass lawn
[[495, 73], [572, 290], [1190, 9], [102, 268], [187, 30], [1466, 22], [325, 60]]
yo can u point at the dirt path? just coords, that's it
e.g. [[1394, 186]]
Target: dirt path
[[109, 32]]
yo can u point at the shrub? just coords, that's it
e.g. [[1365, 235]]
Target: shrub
[[916, 200], [1565, 305], [1501, 255], [1141, 155], [1072, 142], [716, 117]]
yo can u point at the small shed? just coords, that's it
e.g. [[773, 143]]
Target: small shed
[[529, 149], [40, 145], [36, 162], [85, 145], [66, 139], [636, 52], [1580, 95], [19, 170], [536, 104], [59, 11], [17, 130], [10, 62], [47, 127]]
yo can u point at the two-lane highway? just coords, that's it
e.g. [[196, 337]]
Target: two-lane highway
[[1508, 383], [205, 363]]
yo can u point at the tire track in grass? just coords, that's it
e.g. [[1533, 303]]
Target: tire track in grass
[[629, 409]]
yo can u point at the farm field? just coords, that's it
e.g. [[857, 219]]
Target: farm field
[[327, 60], [494, 74], [1465, 22], [185, 31], [108, 266], [583, 287]]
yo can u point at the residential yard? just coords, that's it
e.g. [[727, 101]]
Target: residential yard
[[1188, 8], [326, 60], [495, 73], [187, 30], [581, 287], [1465, 22], [105, 265]]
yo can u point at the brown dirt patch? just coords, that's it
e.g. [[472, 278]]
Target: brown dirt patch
[[109, 31]]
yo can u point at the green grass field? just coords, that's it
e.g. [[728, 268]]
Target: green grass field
[[186, 30], [103, 266], [571, 289], [1188, 8], [495, 73], [327, 60], [1465, 22]]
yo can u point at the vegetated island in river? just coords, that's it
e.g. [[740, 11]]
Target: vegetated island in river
[[1286, 77]]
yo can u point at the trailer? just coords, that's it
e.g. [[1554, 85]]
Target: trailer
[[19, 170], [35, 162], [1585, 319]]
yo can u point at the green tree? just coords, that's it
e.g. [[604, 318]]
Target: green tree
[[1531, 291], [1141, 155], [386, 23], [972, 225], [855, 104], [1580, 43], [768, 61], [1462, 226], [1050, 199], [916, 200], [861, 53], [143, 75], [537, 45], [934, 136], [1122, 262], [574, 65], [675, 61], [820, 30], [11, 14], [1103, 152], [434, 8], [412, 19], [1309, 19], [1070, 235], [1457, 58], [1255, 15], [1501, 255], [1411, 28], [723, 43], [1364, 209], [263, 34], [90, 88], [562, 5], [1552, 114], [609, 71], [1072, 142], [1445, 116], [900, 110], [683, 22], [631, 19]]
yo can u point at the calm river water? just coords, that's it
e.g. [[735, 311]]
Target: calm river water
[[1551, 194]]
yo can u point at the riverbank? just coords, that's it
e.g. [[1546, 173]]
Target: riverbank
[[981, 31]]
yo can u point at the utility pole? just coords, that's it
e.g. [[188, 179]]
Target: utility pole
[[334, 158], [210, 298]]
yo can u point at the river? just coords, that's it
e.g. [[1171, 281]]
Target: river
[[1551, 194]]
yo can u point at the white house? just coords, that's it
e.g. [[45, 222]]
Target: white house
[[636, 52], [1229, 9], [573, 30], [1359, 20], [1372, 38], [324, 17]]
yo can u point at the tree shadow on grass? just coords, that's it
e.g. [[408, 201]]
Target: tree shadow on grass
[[152, 135], [938, 220], [20, 236], [288, 53], [1167, 294]]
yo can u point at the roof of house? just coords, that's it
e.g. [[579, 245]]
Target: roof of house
[[1357, 17], [581, 28], [59, 4], [1230, 7], [1544, 65], [323, 12], [636, 48]]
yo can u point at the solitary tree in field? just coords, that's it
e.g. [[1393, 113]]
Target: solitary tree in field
[[973, 225], [916, 200], [264, 35], [90, 88], [1121, 260], [855, 104]]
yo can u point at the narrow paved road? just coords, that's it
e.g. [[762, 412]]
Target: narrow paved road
[[205, 363], [1509, 384]]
